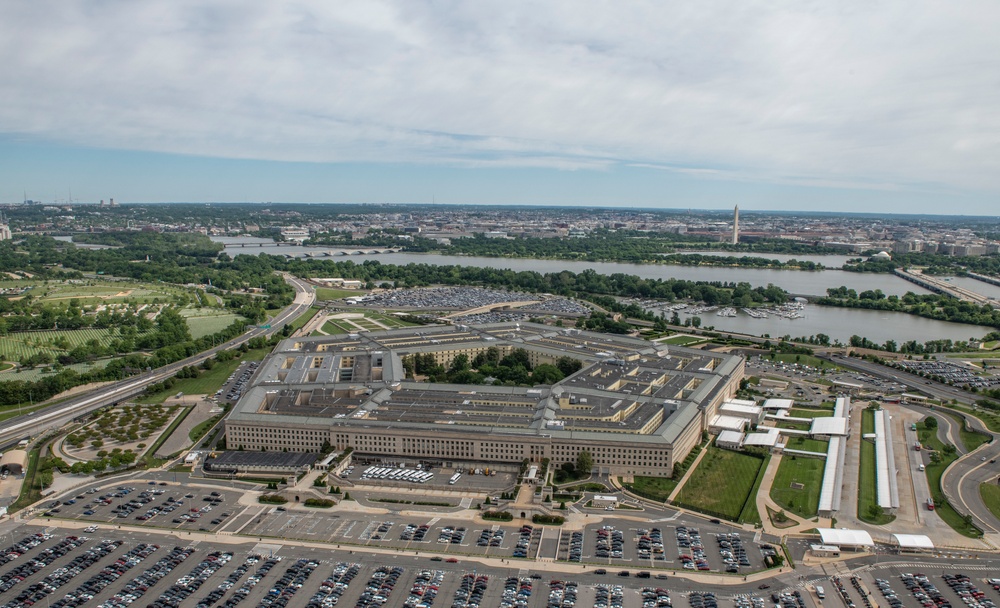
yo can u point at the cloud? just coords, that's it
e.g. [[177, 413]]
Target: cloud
[[894, 94]]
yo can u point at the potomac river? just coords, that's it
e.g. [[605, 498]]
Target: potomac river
[[838, 323]]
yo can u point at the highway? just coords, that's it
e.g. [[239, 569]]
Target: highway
[[961, 480], [15, 429]]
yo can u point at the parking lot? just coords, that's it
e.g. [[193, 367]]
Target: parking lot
[[149, 503], [113, 569], [232, 390], [662, 546]]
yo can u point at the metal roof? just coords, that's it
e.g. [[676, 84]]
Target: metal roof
[[843, 537]]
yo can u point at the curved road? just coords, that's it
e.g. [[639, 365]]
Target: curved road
[[962, 479], [39, 421]]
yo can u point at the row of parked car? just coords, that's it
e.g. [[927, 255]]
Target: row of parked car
[[732, 551], [42, 560], [234, 577], [190, 583], [610, 543], [490, 538], [111, 573], [63, 575], [691, 549], [414, 532], [970, 595], [650, 544], [380, 586], [334, 586], [561, 594], [608, 596], [471, 590], [523, 541], [290, 582], [241, 594], [516, 592], [424, 588], [23, 546], [137, 587]]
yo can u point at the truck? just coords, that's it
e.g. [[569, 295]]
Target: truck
[[930, 504], [916, 446]]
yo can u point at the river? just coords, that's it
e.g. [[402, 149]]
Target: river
[[838, 323]]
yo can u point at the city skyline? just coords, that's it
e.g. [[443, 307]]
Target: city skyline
[[772, 108]]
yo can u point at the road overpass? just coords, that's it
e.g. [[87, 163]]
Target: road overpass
[[944, 287], [36, 423]]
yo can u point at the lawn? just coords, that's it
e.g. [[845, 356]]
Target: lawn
[[808, 472], [991, 496], [653, 488], [721, 484], [683, 340], [750, 514], [803, 360], [810, 413], [208, 382], [867, 482], [207, 321], [969, 438], [303, 319], [338, 326], [934, 472], [329, 293], [807, 444], [795, 426]]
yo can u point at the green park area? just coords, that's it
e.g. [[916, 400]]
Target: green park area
[[683, 340], [796, 485], [807, 444], [721, 484], [811, 412], [868, 508], [942, 455], [330, 293], [653, 488], [991, 496], [368, 321], [208, 381], [802, 360], [205, 321]]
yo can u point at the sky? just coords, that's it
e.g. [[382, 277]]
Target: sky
[[886, 106]]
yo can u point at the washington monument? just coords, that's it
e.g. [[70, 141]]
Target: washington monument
[[736, 225]]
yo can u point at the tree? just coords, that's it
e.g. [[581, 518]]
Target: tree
[[584, 462], [931, 422]]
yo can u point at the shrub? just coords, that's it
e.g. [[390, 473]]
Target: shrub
[[272, 499]]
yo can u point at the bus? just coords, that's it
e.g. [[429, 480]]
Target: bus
[[454, 479]]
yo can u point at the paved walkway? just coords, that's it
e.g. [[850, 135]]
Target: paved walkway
[[687, 475], [764, 501]]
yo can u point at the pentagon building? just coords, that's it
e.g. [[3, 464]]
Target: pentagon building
[[636, 406]]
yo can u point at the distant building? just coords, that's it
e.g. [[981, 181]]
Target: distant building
[[5, 232]]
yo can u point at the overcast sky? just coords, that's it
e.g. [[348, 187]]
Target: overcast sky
[[877, 106]]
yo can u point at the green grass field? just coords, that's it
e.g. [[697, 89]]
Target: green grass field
[[804, 360], [329, 293], [653, 488], [209, 381], [338, 326], [207, 321], [721, 484], [750, 514], [991, 496], [934, 472], [96, 291], [303, 319], [683, 340], [969, 438], [807, 444], [867, 481], [18, 345], [808, 472], [796, 412], [795, 426]]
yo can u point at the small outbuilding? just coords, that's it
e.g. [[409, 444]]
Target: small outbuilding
[[605, 501], [913, 542], [842, 537], [730, 440], [14, 462]]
